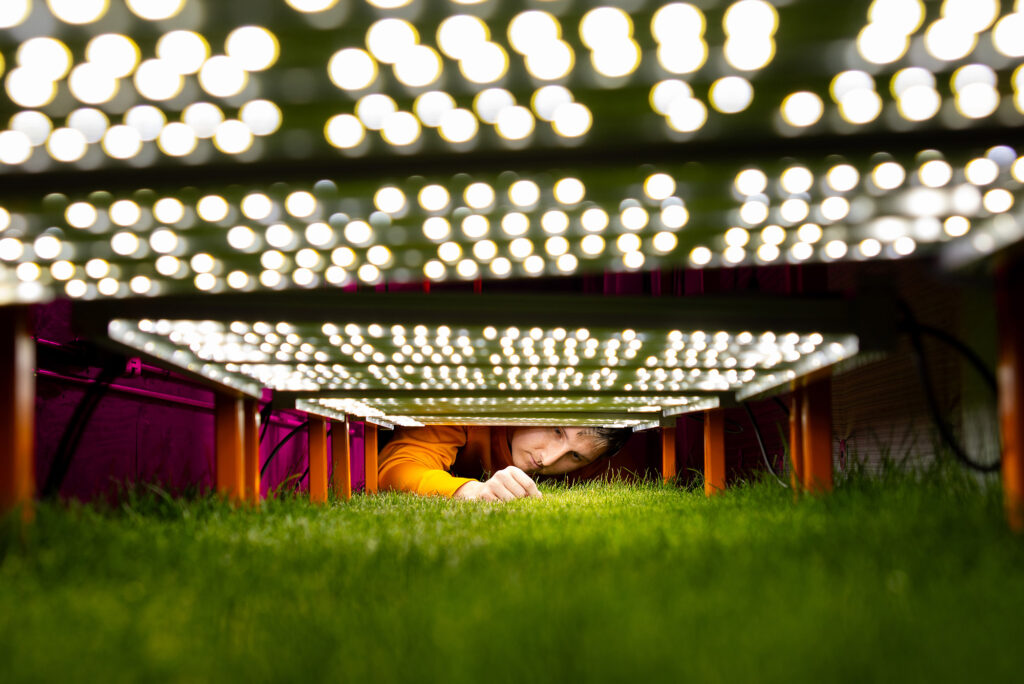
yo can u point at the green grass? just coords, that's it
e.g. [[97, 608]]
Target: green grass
[[886, 579]]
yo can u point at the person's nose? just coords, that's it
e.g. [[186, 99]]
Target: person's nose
[[546, 457]]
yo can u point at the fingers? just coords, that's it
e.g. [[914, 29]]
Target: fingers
[[507, 484], [508, 480], [499, 489], [511, 483], [469, 491], [524, 481]]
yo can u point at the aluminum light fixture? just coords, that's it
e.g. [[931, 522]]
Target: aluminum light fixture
[[435, 359]]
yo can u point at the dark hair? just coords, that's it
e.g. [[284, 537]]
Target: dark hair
[[612, 439]]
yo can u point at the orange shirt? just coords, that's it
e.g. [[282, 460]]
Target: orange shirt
[[419, 459]]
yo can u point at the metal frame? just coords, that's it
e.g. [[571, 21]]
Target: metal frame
[[714, 452], [816, 433], [869, 318], [1010, 376], [317, 460], [370, 457], [810, 433], [251, 459], [341, 459], [17, 412], [229, 447], [796, 440], [668, 450]]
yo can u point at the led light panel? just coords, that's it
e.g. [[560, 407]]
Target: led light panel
[[419, 373], [139, 120], [507, 225], [93, 83]]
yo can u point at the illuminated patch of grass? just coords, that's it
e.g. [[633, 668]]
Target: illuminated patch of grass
[[892, 578]]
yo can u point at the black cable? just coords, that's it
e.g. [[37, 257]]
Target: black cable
[[987, 375], [760, 443], [265, 414], [782, 405], [294, 431], [306, 472], [914, 329], [76, 426]]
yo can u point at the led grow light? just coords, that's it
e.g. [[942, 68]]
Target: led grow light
[[380, 79], [498, 226], [198, 82], [440, 373]]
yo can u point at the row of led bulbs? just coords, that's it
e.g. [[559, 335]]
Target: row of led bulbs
[[953, 35], [537, 35], [438, 110], [532, 402], [307, 274], [141, 125], [322, 377], [316, 377], [253, 48], [285, 337], [975, 90], [435, 200], [83, 12], [343, 260], [242, 344], [44, 62]]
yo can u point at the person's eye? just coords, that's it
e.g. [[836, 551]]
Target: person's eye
[[558, 432], [576, 457]]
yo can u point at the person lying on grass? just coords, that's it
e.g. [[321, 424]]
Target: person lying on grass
[[490, 463]]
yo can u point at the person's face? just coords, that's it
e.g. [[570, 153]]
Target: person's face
[[553, 450]]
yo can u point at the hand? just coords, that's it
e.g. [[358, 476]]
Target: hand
[[505, 485]]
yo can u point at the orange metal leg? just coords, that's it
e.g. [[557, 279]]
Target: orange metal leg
[[17, 411], [340, 458], [816, 434], [796, 452], [370, 456], [1010, 376], [229, 446], [714, 451], [668, 452], [251, 448], [317, 460]]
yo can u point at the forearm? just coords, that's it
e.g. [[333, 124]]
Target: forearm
[[411, 476]]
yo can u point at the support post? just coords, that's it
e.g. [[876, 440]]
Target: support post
[[341, 461], [1010, 378], [816, 433], [17, 411], [370, 456], [714, 451], [317, 460], [251, 448], [668, 451], [796, 452], [229, 446]]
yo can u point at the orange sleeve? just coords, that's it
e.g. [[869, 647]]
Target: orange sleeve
[[417, 459]]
